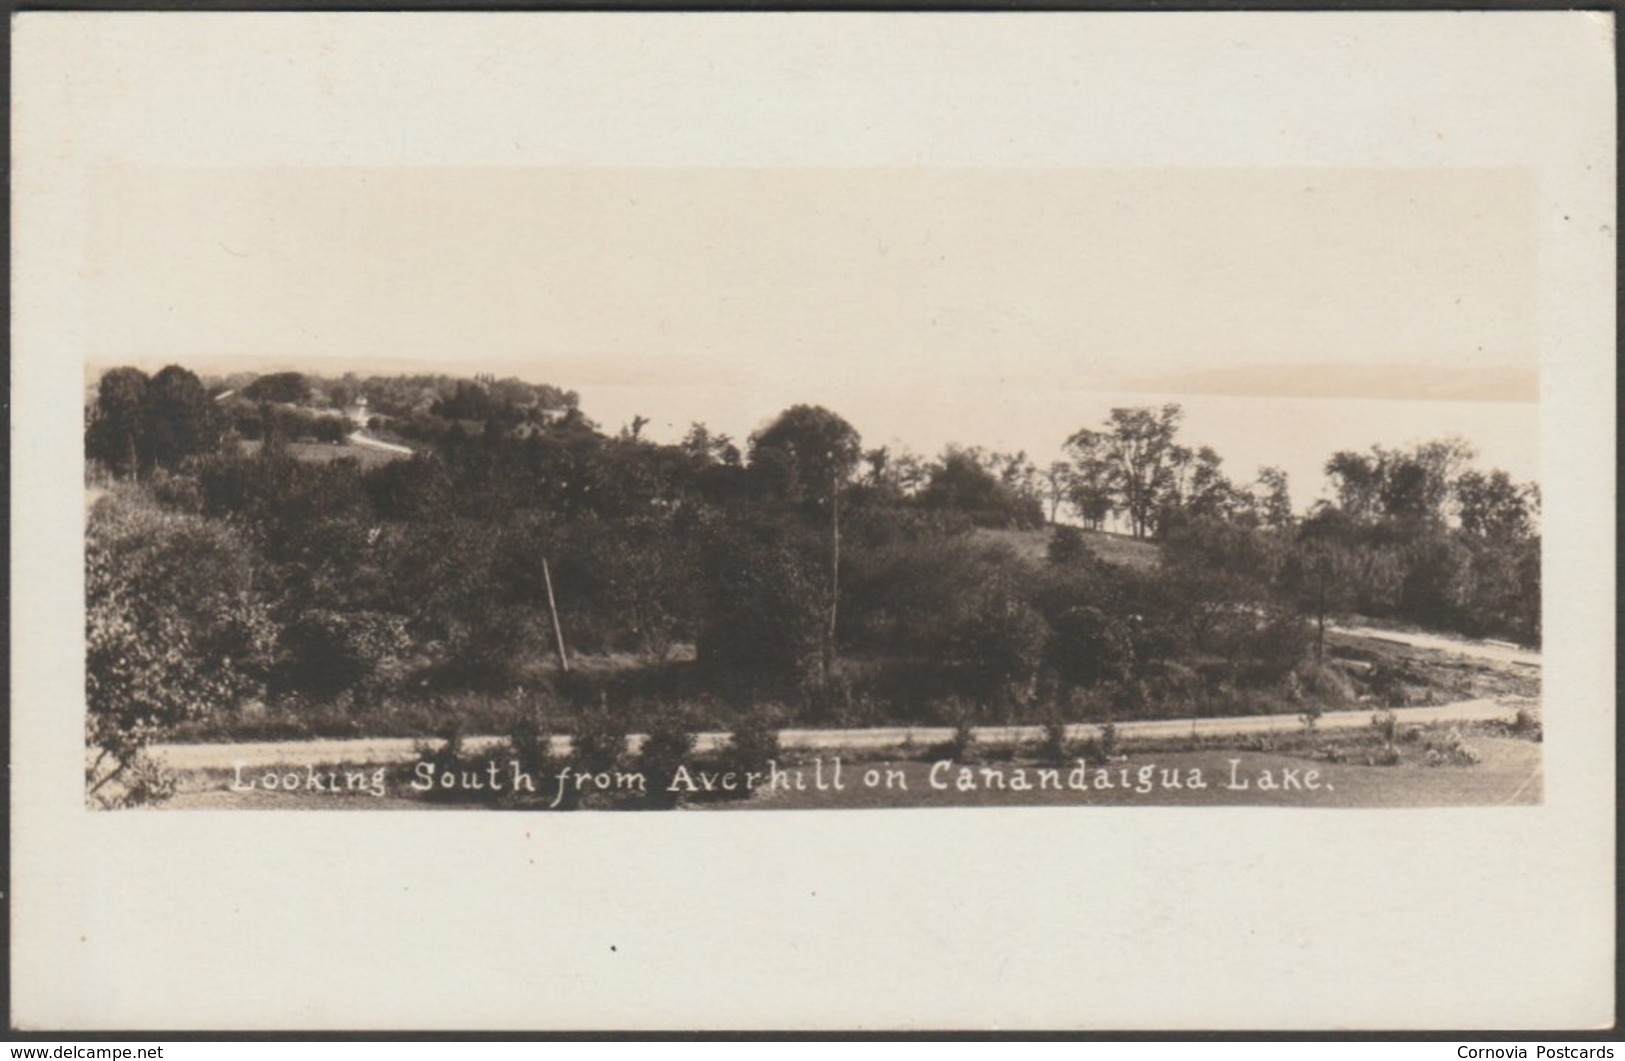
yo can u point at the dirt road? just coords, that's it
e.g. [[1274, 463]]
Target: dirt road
[[1493, 651], [389, 750]]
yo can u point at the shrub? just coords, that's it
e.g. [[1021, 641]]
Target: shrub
[[1455, 751], [450, 758], [530, 742], [1387, 755], [1386, 723], [766, 610], [669, 745], [1526, 723], [754, 741], [1055, 746], [995, 641], [961, 745], [175, 631], [599, 741], [330, 650], [1067, 545], [1325, 682], [1110, 747], [144, 780]]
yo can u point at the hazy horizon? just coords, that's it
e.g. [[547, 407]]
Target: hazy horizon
[[1246, 430], [1293, 312]]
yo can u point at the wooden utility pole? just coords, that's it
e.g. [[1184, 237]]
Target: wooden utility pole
[[553, 613]]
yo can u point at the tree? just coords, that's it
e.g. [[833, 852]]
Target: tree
[[116, 434], [1133, 458], [764, 612], [1272, 498], [960, 481], [807, 455], [1057, 485], [877, 459], [1415, 485], [1203, 492], [1357, 482], [1493, 507], [1319, 574], [289, 388], [179, 419], [1091, 490]]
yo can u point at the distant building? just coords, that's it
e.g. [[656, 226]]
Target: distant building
[[357, 414]]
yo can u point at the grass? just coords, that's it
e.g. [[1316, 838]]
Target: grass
[[324, 452], [1508, 773], [1119, 549]]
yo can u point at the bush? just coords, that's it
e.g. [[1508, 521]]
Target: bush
[[669, 745], [961, 746], [1067, 545], [450, 758], [1387, 755], [1324, 682], [144, 780], [1454, 751], [995, 641], [326, 651], [599, 741], [1526, 723], [530, 742], [1107, 744], [754, 741], [767, 599], [1055, 747], [175, 631]]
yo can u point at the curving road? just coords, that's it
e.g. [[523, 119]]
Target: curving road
[[389, 750], [1493, 651]]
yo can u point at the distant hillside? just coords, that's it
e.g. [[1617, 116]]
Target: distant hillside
[[1117, 549]]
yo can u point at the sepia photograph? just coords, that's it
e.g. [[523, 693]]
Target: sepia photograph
[[1128, 497], [578, 489]]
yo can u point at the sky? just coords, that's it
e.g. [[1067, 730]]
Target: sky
[[1292, 312]]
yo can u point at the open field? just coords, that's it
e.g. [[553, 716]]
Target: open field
[[1033, 545], [322, 452]]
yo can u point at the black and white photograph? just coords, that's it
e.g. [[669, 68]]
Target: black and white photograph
[[1127, 497], [813, 489]]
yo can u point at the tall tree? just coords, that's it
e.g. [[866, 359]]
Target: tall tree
[[1091, 492], [179, 418], [1493, 507], [807, 455], [116, 433], [1057, 485], [1273, 498], [1139, 449]]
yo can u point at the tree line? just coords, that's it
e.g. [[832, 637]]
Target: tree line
[[795, 567]]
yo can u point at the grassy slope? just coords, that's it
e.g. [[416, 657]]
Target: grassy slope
[[321, 452], [1112, 548]]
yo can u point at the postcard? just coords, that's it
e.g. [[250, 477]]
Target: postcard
[[1126, 497]]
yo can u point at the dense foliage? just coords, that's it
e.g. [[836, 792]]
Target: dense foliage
[[851, 585]]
